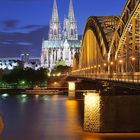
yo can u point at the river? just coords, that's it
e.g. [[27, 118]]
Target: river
[[43, 117]]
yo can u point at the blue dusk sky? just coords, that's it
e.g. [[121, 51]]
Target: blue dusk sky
[[23, 23]]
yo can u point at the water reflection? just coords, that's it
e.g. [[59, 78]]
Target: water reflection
[[22, 98], [56, 118]]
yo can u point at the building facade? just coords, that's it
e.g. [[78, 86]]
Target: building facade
[[62, 44]]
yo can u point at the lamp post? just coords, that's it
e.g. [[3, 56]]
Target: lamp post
[[111, 68], [133, 59], [121, 69]]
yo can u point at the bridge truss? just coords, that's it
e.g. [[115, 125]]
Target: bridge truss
[[111, 46]]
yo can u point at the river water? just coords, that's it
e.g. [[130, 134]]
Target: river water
[[45, 117]]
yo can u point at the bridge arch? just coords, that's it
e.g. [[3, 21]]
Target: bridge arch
[[125, 46], [93, 53]]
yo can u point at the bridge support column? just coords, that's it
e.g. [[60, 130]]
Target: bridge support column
[[71, 89], [92, 112]]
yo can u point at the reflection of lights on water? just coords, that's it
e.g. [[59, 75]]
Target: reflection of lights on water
[[23, 95], [22, 98], [92, 112], [45, 98], [36, 97], [5, 95]]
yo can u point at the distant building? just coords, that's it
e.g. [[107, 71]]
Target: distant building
[[61, 45], [25, 58], [33, 63], [9, 63]]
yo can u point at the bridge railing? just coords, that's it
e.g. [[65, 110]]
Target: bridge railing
[[124, 77]]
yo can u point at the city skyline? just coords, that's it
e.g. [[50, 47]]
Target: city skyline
[[25, 23]]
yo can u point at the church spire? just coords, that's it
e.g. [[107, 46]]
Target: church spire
[[71, 11], [55, 17], [55, 29]]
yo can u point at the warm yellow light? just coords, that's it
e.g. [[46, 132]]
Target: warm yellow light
[[95, 66], [99, 66], [133, 58], [120, 61], [71, 86], [92, 112], [55, 83], [111, 63], [71, 89], [105, 64]]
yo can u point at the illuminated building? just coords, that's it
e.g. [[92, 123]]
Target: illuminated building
[[61, 45]]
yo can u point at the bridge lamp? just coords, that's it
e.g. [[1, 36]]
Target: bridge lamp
[[120, 61], [111, 63], [133, 58]]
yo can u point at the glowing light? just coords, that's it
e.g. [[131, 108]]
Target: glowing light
[[53, 75], [23, 95], [105, 64], [22, 82], [120, 61], [59, 74], [4, 95], [49, 74], [10, 67], [55, 83], [95, 66], [92, 112], [99, 66], [111, 63], [133, 58], [71, 88]]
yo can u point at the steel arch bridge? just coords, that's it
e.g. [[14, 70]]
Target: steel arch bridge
[[111, 46]]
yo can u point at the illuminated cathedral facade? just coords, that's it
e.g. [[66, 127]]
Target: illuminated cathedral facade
[[62, 44]]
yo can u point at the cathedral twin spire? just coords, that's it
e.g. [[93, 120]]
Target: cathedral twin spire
[[55, 17], [71, 28], [71, 12]]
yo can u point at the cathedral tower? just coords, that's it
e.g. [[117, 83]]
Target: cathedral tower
[[70, 26], [55, 29]]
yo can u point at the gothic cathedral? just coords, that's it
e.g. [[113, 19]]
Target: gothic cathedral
[[61, 44]]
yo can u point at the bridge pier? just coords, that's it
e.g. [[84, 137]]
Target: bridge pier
[[92, 112], [71, 89], [111, 113]]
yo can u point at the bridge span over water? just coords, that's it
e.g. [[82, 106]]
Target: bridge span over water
[[111, 47]]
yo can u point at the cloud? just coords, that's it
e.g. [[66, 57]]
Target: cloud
[[10, 24], [31, 26], [13, 44]]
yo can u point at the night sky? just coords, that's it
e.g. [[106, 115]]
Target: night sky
[[23, 23]]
